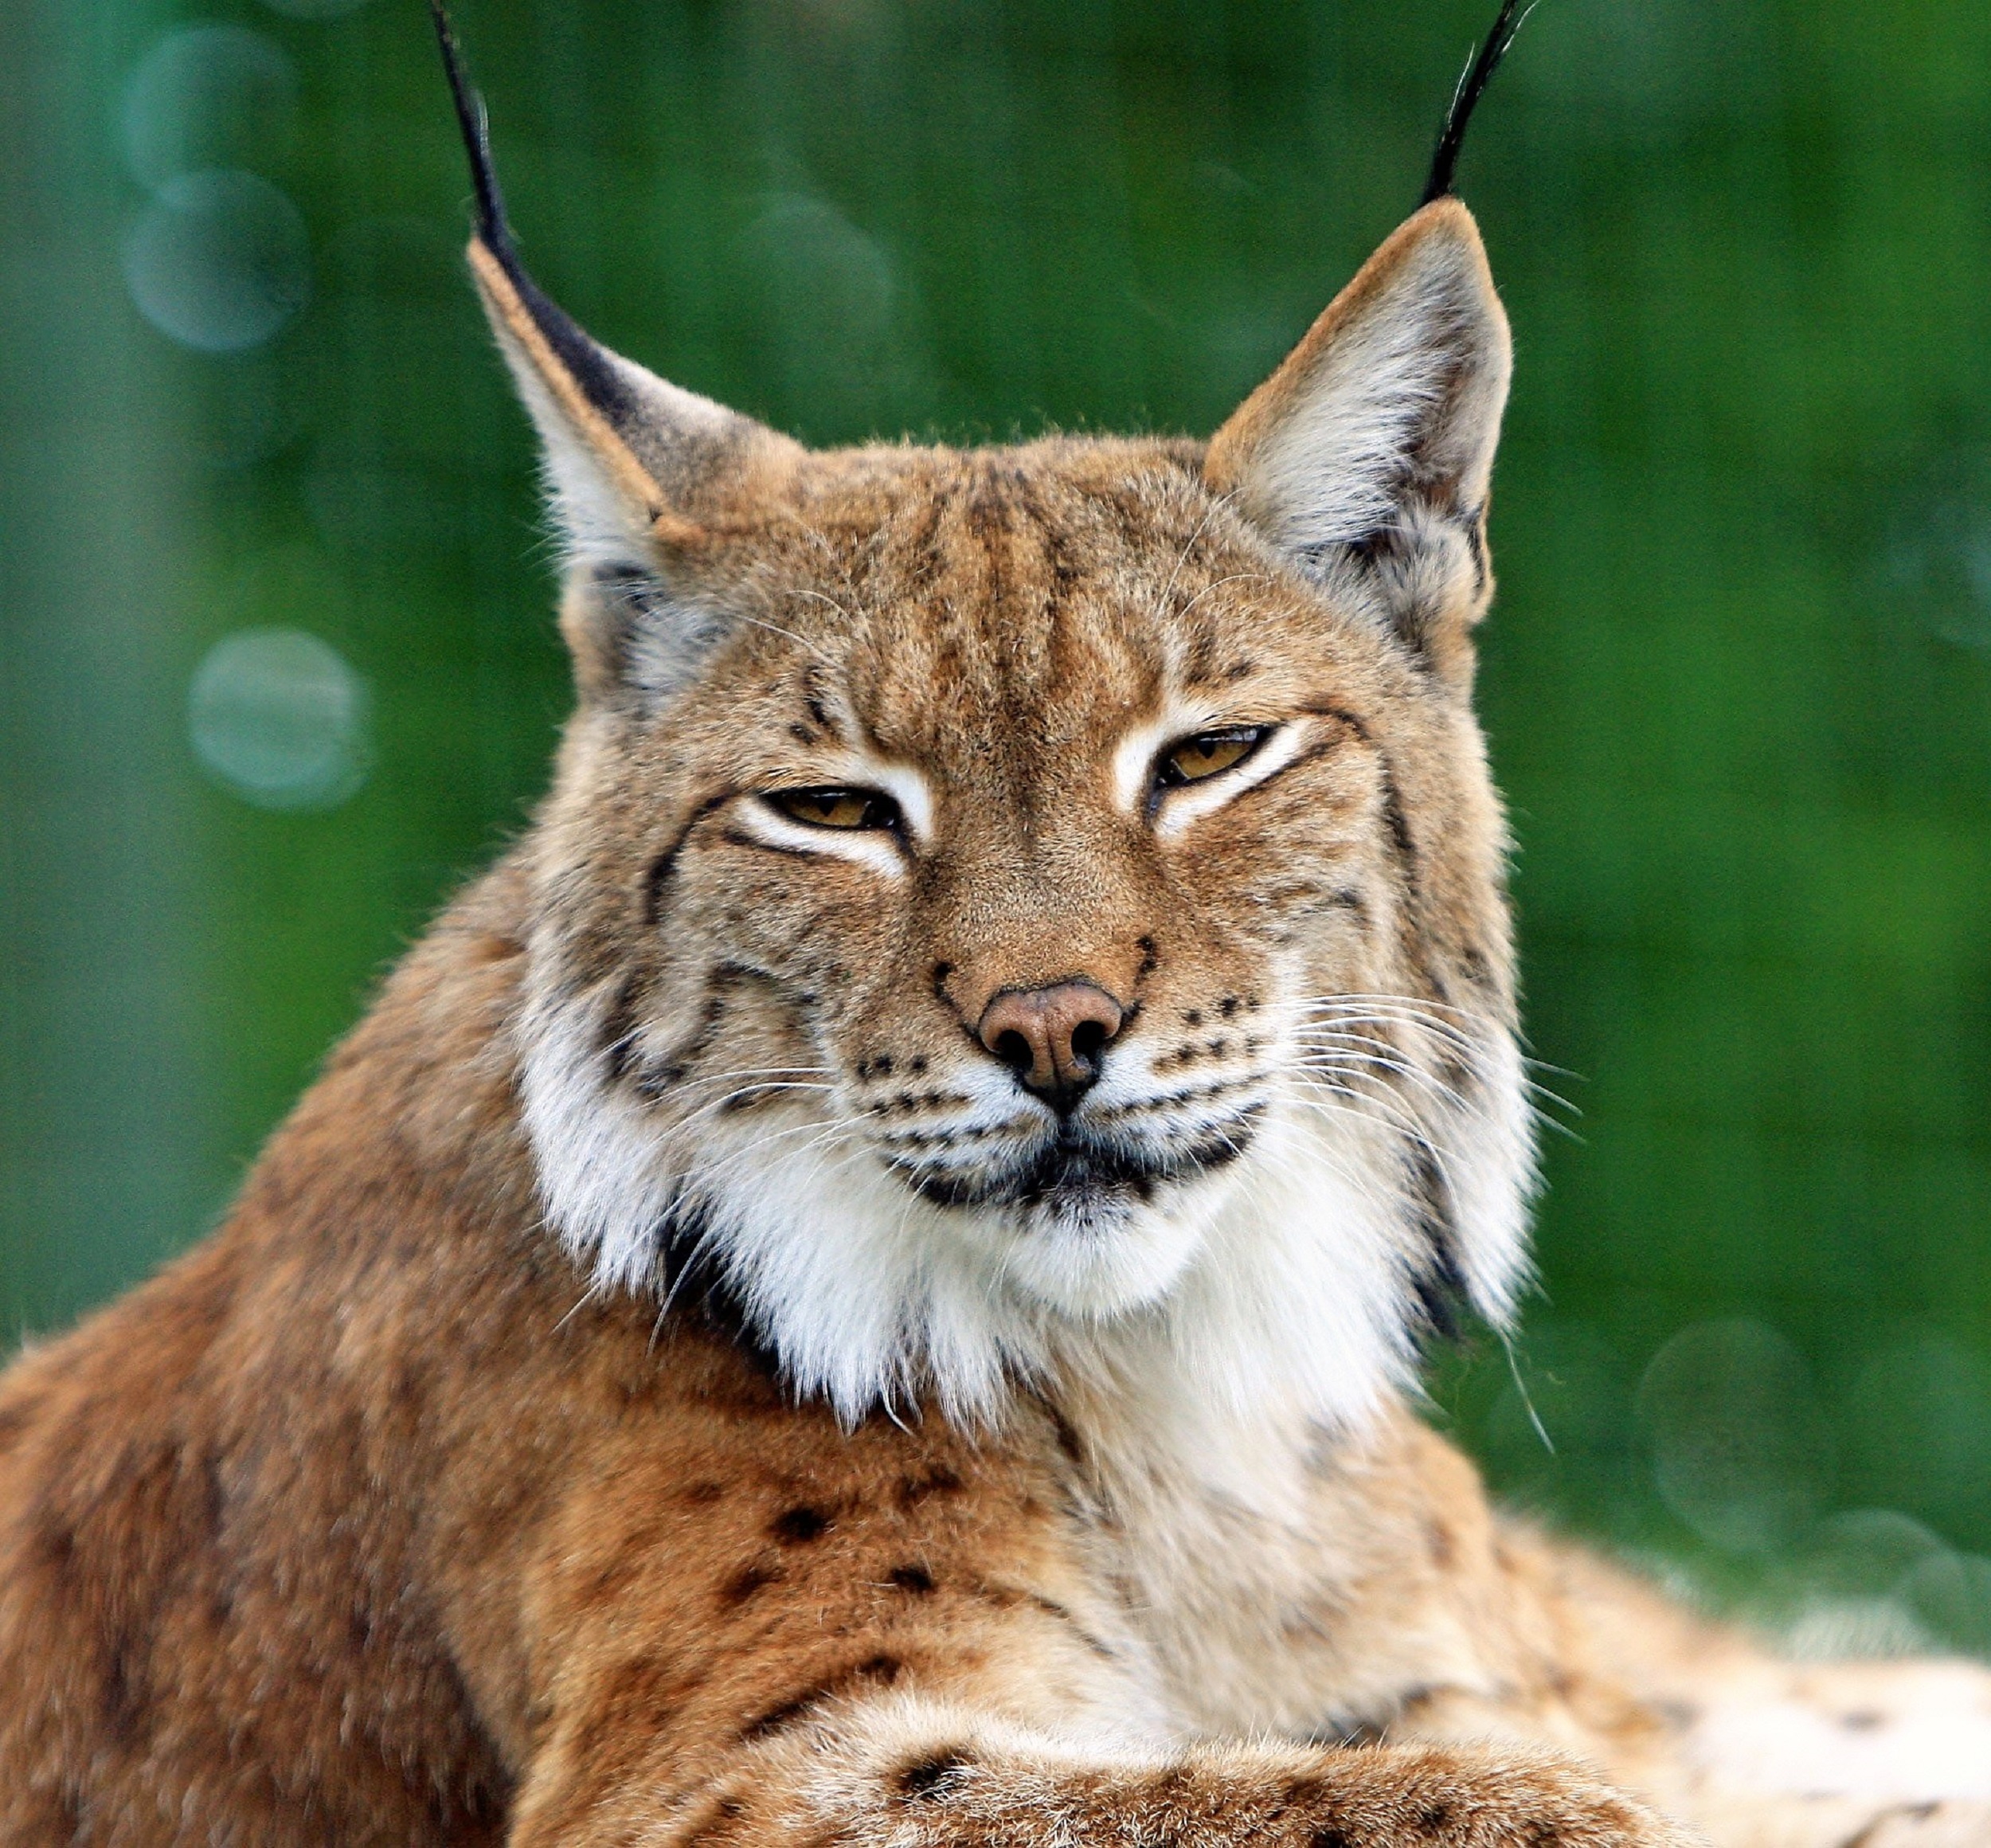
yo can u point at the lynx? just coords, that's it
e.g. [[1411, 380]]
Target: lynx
[[862, 1287]]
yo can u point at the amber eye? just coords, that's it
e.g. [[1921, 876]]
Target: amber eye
[[1193, 759], [837, 808]]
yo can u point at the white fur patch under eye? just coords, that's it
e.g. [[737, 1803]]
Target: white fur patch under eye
[[1188, 803], [864, 847], [1134, 759], [906, 786]]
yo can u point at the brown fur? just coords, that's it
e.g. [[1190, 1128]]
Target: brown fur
[[378, 1519]]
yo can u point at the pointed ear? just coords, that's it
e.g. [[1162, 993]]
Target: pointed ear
[[638, 472], [1367, 456]]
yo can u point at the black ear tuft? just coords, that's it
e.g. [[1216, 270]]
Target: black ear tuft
[[587, 363], [1445, 158], [492, 224]]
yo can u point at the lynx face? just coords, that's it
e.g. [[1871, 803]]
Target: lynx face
[[1017, 906]]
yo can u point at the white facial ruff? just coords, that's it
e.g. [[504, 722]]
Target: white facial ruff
[[1286, 1281]]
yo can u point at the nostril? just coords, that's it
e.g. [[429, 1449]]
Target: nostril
[[1014, 1052], [1088, 1040]]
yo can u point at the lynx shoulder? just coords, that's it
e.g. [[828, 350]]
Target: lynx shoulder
[[859, 1287]]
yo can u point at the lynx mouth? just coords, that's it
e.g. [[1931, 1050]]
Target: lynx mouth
[[1078, 1176]]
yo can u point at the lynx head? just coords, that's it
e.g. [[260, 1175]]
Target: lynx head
[[1007, 909]]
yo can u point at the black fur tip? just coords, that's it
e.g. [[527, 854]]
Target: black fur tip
[[1445, 158], [492, 224]]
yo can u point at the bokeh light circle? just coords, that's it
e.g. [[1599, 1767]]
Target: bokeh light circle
[[1741, 1452], [278, 716], [219, 261], [207, 97]]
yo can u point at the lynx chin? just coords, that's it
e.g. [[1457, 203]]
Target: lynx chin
[[861, 1289]]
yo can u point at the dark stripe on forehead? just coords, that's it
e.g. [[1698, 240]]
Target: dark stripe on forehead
[[1056, 542]]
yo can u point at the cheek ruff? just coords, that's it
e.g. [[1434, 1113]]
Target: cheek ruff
[[1282, 1252]]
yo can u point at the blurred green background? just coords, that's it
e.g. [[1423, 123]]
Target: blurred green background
[[279, 666]]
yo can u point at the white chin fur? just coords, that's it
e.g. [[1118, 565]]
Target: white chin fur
[[1283, 1281], [1110, 1262]]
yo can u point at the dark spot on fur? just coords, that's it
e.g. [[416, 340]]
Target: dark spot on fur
[[799, 1525], [882, 1065], [777, 1716], [1399, 826], [1150, 957], [695, 1283], [918, 1065], [214, 1501], [124, 1691], [745, 1582], [1067, 1435], [1193, 1018], [917, 1580], [933, 1776], [55, 1541], [1051, 1607], [1433, 1820], [1476, 544], [618, 1034], [1228, 1006], [1329, 1838], [938, 1481]]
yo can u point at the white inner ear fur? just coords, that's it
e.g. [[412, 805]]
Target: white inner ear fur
[[1432, 345], [600, 527]]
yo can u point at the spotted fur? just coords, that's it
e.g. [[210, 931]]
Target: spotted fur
[[672, 1381]]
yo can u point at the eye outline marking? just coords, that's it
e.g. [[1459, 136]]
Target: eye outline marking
[[1258, 737], [1173, 808], [888, 851], [904, 784], [758, 823], [893, 821]]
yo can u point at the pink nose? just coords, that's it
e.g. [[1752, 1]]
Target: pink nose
[[1052, 1038]]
